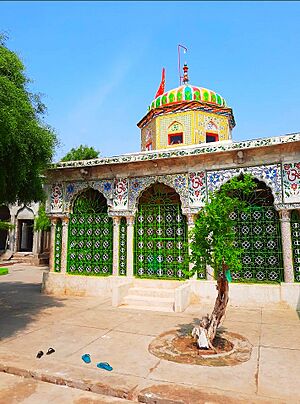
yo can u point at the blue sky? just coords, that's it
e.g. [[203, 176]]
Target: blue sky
[[99, 64]]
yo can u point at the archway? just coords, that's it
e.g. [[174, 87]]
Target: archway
[[25, 224], [160, 245], [4, 216], [258, 234], [90, 236]]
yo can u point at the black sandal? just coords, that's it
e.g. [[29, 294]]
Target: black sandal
[[50, 351], [40, 354]]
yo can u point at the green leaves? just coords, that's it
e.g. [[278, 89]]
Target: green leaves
[[213, 237], [26, 143], [42, 222], [81, 153]]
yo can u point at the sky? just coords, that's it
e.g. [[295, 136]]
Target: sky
[[98, 64]]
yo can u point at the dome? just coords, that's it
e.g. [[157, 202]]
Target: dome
[[186, 93]]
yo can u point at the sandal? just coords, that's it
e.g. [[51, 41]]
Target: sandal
[[104, 365], [86, 358], [40, 354], [50, 351]]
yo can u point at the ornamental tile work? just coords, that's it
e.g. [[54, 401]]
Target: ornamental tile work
[[120, 201], [270, 174], [178, 181], [295, 229], [182, 151], [57, 246], [197, 189], [291, 182], [164, 122], [106, 187], [123, 247], [56, 197]]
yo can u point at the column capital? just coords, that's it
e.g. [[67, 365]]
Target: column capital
[[191, 217], [116, 220], [130, 220], [65, 220], [285, 215], [53, 221]]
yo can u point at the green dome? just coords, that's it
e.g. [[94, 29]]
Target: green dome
[[188, 93]]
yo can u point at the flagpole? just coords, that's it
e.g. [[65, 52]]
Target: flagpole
[[179, 67]]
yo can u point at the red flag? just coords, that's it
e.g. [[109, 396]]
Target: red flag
[[161, 88]]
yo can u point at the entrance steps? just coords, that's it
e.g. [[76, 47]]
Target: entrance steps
[[29, 258], [144, 294], [150, 299]]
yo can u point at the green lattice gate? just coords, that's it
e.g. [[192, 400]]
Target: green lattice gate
[[258, 234], [295, 225], [90, 236], [160, 236]]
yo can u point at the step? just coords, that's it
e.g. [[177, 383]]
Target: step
[[151, 302], [151, 292], [157, 283], [148, 308]]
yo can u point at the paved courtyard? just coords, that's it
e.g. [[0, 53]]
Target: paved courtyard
[[31, 321]]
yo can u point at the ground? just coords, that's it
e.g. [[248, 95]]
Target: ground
[[31, 321]]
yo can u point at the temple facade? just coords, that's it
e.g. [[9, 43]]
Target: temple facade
[[124, 221]]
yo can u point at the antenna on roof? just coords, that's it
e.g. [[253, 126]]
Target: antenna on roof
[[179, 66]]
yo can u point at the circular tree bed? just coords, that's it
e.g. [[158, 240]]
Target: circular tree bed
[[230, 349]]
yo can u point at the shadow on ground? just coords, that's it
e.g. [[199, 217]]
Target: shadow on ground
[[20, 304]]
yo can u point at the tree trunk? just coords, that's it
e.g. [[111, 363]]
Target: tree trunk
[[210, 324]]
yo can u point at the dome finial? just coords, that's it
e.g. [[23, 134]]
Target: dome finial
[[185, 74]]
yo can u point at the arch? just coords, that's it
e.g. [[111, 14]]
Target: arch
[[258, 234], [25, 213], [175, 133], [154, 191], [90, 235], [90, 201], [160, 243], [139, 185], [270, 175], [211, 126]]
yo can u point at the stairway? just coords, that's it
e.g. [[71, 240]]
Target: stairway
[[151, 295]]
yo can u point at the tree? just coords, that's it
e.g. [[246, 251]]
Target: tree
[[26, 142], [82, 152], [213, 244], [42, 221]]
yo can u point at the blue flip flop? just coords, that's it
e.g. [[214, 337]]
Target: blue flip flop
[[86, 358], [104, 365]]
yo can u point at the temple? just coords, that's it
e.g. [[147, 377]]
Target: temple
[[120, 225]]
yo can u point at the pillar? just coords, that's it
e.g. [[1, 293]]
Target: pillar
[[130, 240], [287, 250], [116, 247], [52, 244], [190, 226], [64, 244]]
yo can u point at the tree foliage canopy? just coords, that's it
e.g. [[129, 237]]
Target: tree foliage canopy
[[26, 142], [82, 152], [42, 221], [212, 241]]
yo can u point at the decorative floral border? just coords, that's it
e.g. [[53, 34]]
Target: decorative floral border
[[184, 151]]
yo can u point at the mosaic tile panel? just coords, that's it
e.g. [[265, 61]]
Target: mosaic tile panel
[[56, 197], [178, 181], [120, 201], [291, 182], [197, 189], [270, 174]]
